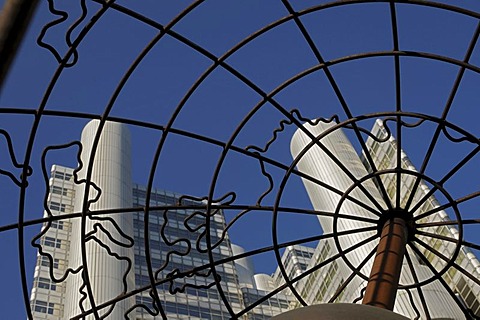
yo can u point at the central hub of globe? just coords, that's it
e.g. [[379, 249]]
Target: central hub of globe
[[401, 214]]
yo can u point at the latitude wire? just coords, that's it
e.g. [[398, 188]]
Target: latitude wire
[[337, 243], [450, 262], [289, 282], [451, 97], [187, 134], [307, 272], [448, 205], [122, 120], [446, 223], [449, 239], [345, 108], [29, 148], [419, 288], [446, 177], [277, 200], [219, 262], [186, 207], [438, 277], [451, 202], [398, 101], [352, 275], [424, 3]]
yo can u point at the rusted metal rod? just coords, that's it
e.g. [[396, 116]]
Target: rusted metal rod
[[383, 282], [14, 20]]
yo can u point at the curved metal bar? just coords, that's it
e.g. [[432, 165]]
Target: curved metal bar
[[342, 101], [398, 100]]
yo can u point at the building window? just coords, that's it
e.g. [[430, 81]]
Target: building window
[[61, 175], [43, 307], [57, 225], [46, 263], [58, 190], [46, 283], [52, 242], [57, 206]]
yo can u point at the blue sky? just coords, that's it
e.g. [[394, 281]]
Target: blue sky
[[220, 102]]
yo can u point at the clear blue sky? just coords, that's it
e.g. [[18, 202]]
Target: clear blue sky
[[219, 104]]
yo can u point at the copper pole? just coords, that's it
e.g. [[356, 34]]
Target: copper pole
[[383, 282]]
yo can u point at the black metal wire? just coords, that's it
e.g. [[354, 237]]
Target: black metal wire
[[291, 118]]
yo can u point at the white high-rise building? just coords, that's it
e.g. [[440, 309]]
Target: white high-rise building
[[115, 252], [333, 161]]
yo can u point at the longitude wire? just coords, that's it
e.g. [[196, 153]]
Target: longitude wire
[[449, 205], [342, 101], [113, 98], [398, 101], [419, 288], [448, 239], [450, 262], [446, 177], [30, 143], [446, 109], [306, 273], [353, 274], [439, 278], [447, 223], [451, 202]]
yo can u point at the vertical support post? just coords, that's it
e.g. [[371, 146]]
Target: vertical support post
[[385, 274], [14, 20]]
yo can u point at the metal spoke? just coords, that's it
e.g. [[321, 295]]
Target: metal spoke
[[419, 289]]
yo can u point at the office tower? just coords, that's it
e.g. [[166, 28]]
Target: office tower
[[317, 161], [121, 248]]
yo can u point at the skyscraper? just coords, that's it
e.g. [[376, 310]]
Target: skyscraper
[[120, 247], [333, 161]]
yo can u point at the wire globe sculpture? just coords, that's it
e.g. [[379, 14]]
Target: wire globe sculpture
[[236, 108]]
